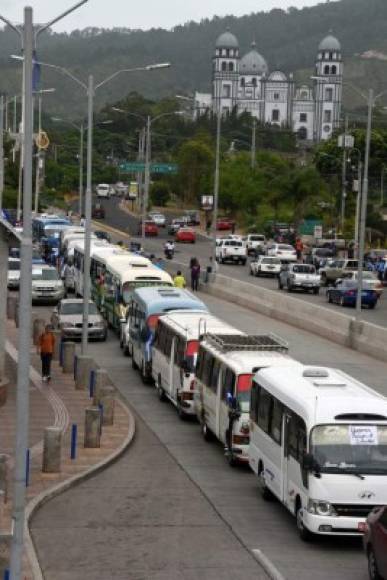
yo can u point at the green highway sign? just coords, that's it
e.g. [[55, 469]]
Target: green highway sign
[[139, 167]]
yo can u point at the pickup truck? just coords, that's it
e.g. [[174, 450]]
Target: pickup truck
[[255, 242], [299, 276], [338, 241], [335, 269], [229, 250]]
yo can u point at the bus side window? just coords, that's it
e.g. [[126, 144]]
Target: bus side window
[[207, 371], [276, 421], [255, 388], [228, 386], [200, 364], [264, 410], [168, 341], [179, 350], [215, 376]]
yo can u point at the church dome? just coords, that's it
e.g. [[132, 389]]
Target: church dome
[[277, 75], [330, 42], [253, 63], [227, 40]]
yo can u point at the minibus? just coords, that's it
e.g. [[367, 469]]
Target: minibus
[[224, 371], [78, 247], [145, 308], [318, 443], [174, 354]]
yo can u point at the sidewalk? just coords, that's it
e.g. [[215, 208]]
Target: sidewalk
[[61, 405]]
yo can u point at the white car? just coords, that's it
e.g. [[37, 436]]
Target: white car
[[285, 252], [265, 266], [13, 277], [46, 284], [255, 242], [103, 190], [229, 250], [159, 219]]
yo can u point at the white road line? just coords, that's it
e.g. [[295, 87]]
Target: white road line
[[268, 566]]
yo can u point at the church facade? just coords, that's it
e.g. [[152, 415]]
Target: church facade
[[246, 84]]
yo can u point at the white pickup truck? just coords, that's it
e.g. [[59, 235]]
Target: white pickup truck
[[229, 250]]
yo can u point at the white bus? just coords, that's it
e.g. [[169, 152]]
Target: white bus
[[174, 354], [318, 442], [224, 371]]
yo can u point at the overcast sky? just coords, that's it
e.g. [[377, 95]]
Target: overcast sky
[[144, 14]]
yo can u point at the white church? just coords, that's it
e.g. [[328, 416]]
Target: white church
[[245, 84]]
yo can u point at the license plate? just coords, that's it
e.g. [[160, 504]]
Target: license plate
[[270, 267]]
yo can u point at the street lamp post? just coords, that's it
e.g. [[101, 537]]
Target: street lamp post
[[28, 38], [90, 88], [40, 154]]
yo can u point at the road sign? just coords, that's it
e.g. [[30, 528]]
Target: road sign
[[207, 201], [318, 232], [139, 167]]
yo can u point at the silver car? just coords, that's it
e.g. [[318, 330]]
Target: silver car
[[265, 266], [300, 277], [68, 318]]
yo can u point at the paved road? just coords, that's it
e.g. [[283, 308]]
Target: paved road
[[119, 219], [175, 500]]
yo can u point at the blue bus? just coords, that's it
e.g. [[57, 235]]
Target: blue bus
[[145, 307]]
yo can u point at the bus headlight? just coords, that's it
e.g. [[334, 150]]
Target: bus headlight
[[320, 508]]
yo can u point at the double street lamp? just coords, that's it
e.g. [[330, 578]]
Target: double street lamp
[[148, 122], [90, 88]]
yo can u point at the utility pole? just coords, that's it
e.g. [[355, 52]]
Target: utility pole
[[344, 177], [88, 199], [253, 143], [358, 203], [38, 156], [363, 209], [25, 307], [1, 151], [140, 157], [80, 187], [147, 175], [216, 178]]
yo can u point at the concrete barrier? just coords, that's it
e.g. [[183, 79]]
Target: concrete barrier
[[101, 380], [83, 367], [92, 438], [68, 357], [11, 307], [58, 339], [331, 324], [52, 446], [107, 401]]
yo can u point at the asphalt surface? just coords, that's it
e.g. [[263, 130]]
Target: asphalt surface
[[172, 508], [121, 220]]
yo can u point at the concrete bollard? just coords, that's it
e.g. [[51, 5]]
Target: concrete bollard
[[52, 445], [92, 437], [37, 329], [107, 400], [82, 371], [58, 339], [68, 357], [11, 307], [101, 380], [16, 315], [4, 477]]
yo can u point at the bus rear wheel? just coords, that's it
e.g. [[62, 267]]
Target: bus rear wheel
[[264, 490], [207, 435]]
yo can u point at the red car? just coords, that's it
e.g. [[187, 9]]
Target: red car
[[185, 235], [151, 229], [225, 224], [375, 543]]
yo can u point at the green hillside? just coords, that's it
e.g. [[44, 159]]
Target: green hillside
[[287, 39]]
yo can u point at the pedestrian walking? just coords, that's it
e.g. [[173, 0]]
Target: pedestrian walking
[[299, 249], [46, 348], [195, 274], [179, 280]]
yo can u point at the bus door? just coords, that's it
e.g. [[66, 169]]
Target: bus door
[[226, 392], [171, 366]]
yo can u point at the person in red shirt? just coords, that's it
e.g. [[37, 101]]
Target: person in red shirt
[[46, 348], [299, 248]]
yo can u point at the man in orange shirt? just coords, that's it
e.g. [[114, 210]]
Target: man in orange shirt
[[46, 348]]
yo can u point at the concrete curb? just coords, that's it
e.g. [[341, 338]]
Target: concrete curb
[[267, 565], [38, 501]]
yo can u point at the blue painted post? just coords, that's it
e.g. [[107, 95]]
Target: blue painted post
[[6, 575], [74, 438], [28, 458], [75, 366], [92, 383], [61, 353], [100, 407]]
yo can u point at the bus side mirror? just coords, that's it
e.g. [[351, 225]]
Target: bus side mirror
[[309, 463]]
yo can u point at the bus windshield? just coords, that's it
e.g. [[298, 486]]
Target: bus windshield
[[243, 391], [350, 448]]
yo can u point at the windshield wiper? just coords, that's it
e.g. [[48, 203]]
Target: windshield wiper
[[343, 470]]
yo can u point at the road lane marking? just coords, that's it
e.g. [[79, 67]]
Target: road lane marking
[[267, 565]]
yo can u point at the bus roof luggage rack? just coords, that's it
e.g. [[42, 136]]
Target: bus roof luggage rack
[[261, 342]]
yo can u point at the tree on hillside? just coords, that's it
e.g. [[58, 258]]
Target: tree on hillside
[[195, 159]]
